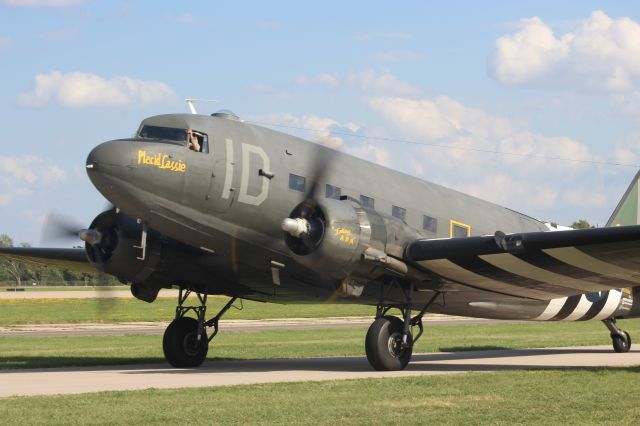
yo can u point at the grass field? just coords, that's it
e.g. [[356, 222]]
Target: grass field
[[567, 397], [53, 311], [31, 352], [68, 288]]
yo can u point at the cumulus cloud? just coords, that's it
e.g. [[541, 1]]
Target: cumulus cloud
[[42, 3], [462, 130], [77, 89], [385, 82], [489, 156], [328, 132], [601, 54], [319, 128], [20, 176]]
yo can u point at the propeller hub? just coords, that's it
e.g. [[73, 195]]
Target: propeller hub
[[296, 226], [90, 236]]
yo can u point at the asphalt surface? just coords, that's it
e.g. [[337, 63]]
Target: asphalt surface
[[225, 373]]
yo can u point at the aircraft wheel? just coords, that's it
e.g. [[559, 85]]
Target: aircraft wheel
[[621, 344], [181, 346], [383, 345]]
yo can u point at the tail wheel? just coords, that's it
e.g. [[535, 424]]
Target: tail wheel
[[181, 346], [385, 350]]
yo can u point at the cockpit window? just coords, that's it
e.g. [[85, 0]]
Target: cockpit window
[[166, 133], [194, 140]]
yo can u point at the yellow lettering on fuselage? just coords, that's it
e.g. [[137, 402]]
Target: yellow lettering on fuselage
[[161, 161]]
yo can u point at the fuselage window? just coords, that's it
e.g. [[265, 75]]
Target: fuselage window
[[459, 229], [429, 223], [367, 202], [297, 183], [399, 212], [333, 192]]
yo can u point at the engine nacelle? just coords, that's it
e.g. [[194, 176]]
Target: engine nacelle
[[342, 237], [118, 253]]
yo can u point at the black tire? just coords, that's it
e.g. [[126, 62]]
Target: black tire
[[621, 344], [383, 345], [180, 345]]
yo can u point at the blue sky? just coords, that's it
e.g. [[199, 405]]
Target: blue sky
[[542, 79]]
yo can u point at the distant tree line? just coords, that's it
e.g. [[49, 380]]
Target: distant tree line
[[17, 273]]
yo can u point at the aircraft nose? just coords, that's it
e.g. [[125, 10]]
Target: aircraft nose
[[109, 164]]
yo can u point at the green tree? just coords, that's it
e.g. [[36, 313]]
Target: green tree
[[13, 267], [581, 224]]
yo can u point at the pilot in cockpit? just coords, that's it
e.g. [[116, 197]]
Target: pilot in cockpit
[[193, 142]]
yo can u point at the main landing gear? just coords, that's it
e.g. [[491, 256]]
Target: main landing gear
[[389, 342], [185, 342], [620, 339]]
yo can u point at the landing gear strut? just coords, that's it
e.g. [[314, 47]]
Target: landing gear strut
[[389, 341], [185, 342], [620, 339]]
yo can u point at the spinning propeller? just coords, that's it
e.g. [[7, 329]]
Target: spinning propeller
[[100, 239], [305, 226]]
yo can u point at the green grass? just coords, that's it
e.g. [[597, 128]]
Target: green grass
[[31, 352], [106, 310], [69, 288], [566, 397]]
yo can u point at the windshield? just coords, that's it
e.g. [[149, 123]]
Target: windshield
[[167, 133]]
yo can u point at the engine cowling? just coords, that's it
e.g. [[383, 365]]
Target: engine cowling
[[115, 250], [344, 239]]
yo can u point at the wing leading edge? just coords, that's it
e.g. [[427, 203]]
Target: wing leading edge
[[73, 259], [536, 265]]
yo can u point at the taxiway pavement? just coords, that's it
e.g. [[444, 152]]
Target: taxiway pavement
[[75, 380]]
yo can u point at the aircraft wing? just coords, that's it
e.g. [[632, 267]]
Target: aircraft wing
[[536, 265], [66, 258]]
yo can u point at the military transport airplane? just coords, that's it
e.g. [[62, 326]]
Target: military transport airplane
[[218, 206]]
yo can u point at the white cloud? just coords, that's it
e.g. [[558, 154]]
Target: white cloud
[[310, 127], [328, 132], [42, 3], [490, 157], [371, 81], [79, 89], [446, 122], [21, 176], [370, 152], [601, 54]]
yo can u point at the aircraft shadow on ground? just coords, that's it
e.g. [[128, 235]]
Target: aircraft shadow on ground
[[435, 362], [473, 348]]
